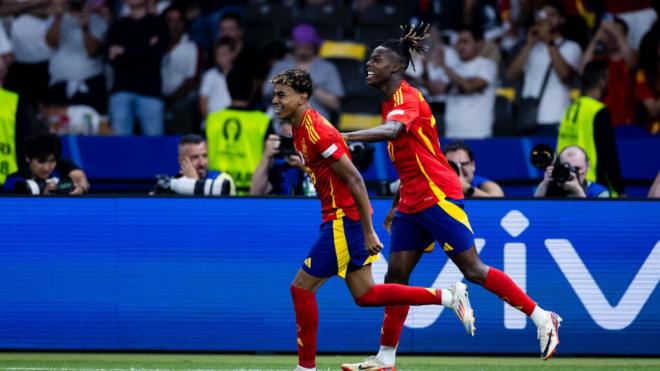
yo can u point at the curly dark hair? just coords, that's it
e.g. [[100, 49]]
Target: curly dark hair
[[299, 80], [411, 42]]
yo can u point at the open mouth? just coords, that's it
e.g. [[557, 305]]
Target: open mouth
[[278, 108]]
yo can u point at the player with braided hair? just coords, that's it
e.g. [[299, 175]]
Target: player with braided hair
[[428, 207]]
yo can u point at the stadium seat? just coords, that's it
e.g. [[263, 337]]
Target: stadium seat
[[505, 98], [348, 57], [266, 21], [382, 21], [358, 121]]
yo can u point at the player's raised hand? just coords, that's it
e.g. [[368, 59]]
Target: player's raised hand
[[372, 243]]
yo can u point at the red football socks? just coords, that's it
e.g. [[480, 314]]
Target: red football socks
[[395, 294], [393, 325], [503, 286], [307, 321]]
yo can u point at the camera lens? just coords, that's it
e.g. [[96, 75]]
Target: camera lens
[[562, 172], [542, 156]]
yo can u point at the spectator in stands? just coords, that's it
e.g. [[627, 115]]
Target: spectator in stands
[[577, 186], [460, 154], [180, 72], [76, 68], [137, 44], [328, 89], [32, 53], [195, 178], [639, 15], [648, 79], [471, 94], [611, 44], [45, 166], [546, 56], [236, 134], [248, 55], [280, 171], [213, 93], [587, 123]]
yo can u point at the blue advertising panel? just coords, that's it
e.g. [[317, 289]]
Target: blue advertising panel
[[214, 275]]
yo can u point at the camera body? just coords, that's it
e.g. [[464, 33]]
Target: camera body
[[543, 156], [38, 186], [286, 146]]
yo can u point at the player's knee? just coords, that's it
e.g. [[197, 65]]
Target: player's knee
[[475, 273], [397, 275]]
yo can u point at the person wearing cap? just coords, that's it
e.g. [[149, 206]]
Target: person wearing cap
[[328, 88]]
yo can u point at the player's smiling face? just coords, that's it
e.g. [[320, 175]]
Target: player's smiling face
[[381, 65], [286, 101]]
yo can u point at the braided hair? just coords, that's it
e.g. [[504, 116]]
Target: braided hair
[[411, 43]]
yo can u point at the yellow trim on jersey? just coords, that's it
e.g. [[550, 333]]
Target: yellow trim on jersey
[[308, 263], [427, 141], [447, 247], [400, 96], [451, 209], [430, 247], [341, 247], [390, 150], [311, 132]]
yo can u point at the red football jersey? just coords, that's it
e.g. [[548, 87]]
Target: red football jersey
[[320, 145], [426, 176]]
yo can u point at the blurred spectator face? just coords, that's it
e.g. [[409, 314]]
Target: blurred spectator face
[[462, 161], [41, 168], [198, 155], [304, 51], [466, 46], [576, 158], [224, 57], [552, 17], [175, 23], [231, 28]]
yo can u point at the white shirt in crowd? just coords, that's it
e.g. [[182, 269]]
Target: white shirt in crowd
[[471, 115], [28, 34], [214, 87], [557, 95], [79, 120], [70, 62], [5, 44], [178, 65]]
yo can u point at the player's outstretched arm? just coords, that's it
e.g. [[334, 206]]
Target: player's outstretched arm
[[351, 176], [388, 131]]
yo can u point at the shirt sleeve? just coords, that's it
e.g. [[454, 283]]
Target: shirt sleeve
[[406, 111], [205, 86], [329, 144], [571, 53], [487, 71], [98, 27], [332, 80]]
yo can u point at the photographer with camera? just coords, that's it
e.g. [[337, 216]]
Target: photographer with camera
[[281, 170], [460, 156], [194, 178], [567, 175], [548, 63], [46, 173]]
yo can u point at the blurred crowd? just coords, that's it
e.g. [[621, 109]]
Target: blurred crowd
[[493, 68]]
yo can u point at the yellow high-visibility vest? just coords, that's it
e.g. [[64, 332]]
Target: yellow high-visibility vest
[[577, 128], [236, 142], [8, 107]]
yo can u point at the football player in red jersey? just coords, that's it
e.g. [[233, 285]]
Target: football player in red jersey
[[347, 243], [428, 207]]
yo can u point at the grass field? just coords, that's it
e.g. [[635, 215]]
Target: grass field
[[199, 362]]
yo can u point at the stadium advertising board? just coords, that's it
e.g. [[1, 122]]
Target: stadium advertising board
[[214, 275]]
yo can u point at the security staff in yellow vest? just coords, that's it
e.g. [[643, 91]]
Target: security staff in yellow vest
[[587, 124], [235, 135], [8, 109]]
